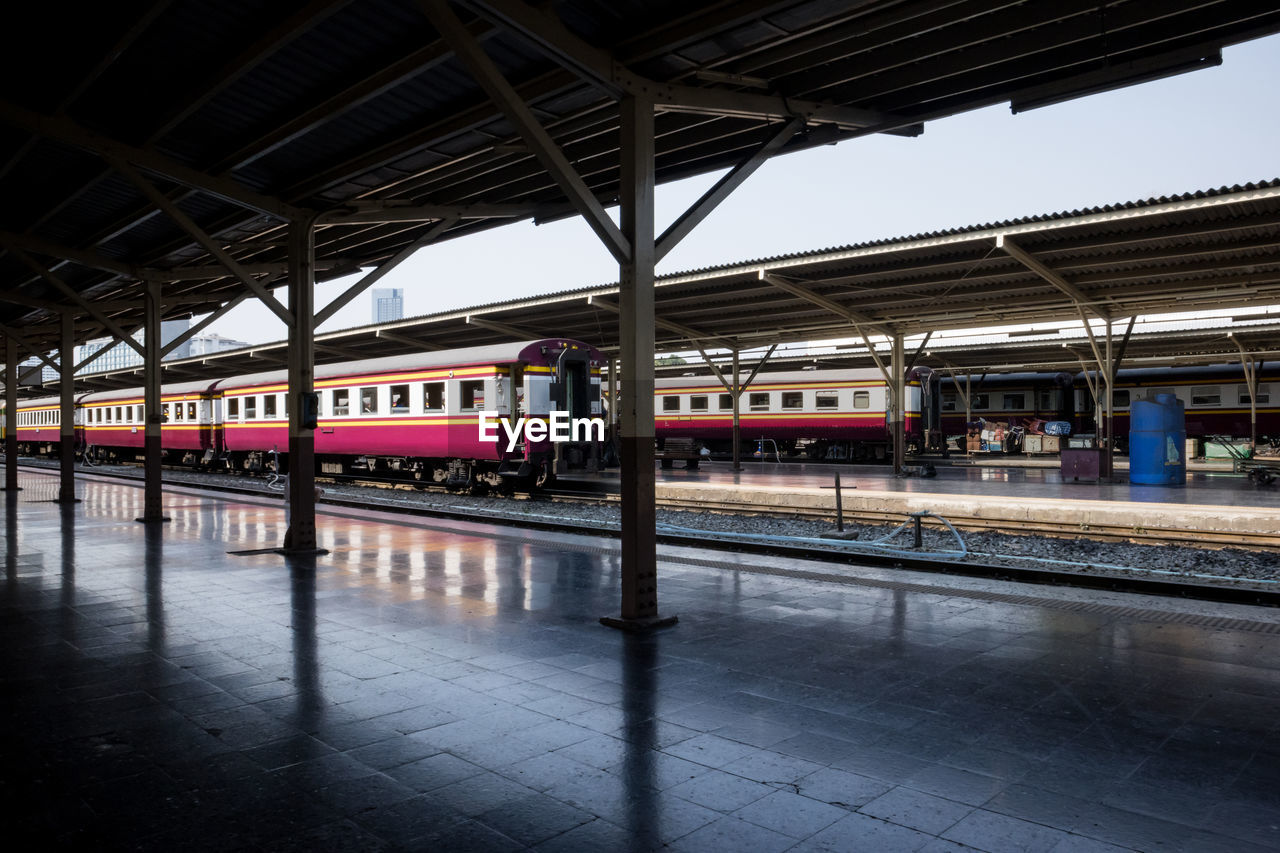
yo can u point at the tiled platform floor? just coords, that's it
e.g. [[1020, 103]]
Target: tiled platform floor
[[425, 689]]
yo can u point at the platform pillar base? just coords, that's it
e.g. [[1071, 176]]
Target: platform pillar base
[[158, 519], [300, 552], [637, 626]]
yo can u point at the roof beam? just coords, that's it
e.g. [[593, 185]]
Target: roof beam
[[139, 26], [67, 291], [192, 331], [408, 341], [687, 332], [378, 214], [702, 208], [67, 132], [858, 320], [269, 42], [514, 332], [28, 346], [600, 68], [92, 260], [1078, 296], [378, 83], [387, 266], [502, 94], [187, 224]]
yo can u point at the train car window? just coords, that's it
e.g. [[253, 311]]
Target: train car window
[[109, 420], [981, 401], [119, 414], [233, 408], [1208, 395], [948, 402], [862, 399], [758, 402], [671, 403], [471, 395], [433, 396], [191, 412], [268, 406], [726, 402], [250, 408], [1155, 392], [341, 402], [399, 399], [826, 400], [1013, 402], [369, 400], [1047, 400], [698, 403], [1120, 398], [1264, 395], [793, 399]]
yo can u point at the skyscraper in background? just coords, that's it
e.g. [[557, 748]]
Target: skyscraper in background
[[388, 304]]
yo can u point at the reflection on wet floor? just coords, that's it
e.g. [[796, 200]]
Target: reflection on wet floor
[[437, 685]]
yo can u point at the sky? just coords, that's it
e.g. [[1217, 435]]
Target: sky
[[1206, 129]]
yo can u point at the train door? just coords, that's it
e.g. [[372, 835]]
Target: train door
[[930, 407], [573, 391], [515, 393]]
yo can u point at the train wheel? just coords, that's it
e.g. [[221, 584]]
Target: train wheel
[[546, 476]]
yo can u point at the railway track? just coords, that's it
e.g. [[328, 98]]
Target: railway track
[[1101, 532]]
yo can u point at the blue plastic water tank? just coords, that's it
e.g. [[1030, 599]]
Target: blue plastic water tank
[[1157, 442]]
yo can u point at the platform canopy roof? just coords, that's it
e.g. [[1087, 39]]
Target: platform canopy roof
[[173, 141], [1213, 249]]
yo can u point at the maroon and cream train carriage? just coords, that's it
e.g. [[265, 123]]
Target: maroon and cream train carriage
[[38, 424], [829, 414], [191, 432], [419, 414], [1215, 398], [1005, 397]]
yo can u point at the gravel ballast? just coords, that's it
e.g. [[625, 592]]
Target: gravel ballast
[[1232, 566]]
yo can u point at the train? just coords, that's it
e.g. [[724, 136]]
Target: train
[[836, 415], [413, 416], [841, 414]]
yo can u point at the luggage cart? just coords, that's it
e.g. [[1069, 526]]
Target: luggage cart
[[1262, 472]]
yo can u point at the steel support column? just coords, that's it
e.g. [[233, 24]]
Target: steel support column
[[1110, 370], [153, 500], [1250, 368], [10, 414], [736, 391], [898, 421], [301, 535], [67, 409], [613, 401], [636, 331]]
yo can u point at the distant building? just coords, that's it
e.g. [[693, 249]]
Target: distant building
[[211, 343], [388, 304], [121, 356]]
